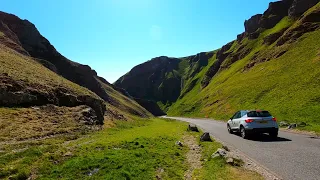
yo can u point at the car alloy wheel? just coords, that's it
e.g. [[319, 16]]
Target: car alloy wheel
[[243, 133], [229, 129]]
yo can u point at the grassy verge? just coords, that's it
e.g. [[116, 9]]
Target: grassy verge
[[217, 168], [131, 150], [139, 149]]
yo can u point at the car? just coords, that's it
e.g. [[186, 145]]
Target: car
[[249, 122]]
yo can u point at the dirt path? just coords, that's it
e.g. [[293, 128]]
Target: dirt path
[[193, 156]]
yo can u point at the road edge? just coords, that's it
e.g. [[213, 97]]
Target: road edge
[[250, 163]]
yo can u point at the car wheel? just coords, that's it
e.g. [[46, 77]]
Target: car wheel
[[243, 133], [273, 134], [229, 129]]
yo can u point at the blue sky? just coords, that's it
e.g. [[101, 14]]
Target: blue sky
[[112, 36]]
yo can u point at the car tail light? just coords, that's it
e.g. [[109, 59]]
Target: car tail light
[[249, 120], [274, 119]]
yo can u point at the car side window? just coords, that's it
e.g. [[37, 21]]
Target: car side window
[[243, 113], [235, 115]]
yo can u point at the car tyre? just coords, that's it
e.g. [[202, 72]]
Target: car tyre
[[243, 133], [229, 129]]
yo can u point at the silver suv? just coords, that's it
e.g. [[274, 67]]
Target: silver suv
[[250, 122]]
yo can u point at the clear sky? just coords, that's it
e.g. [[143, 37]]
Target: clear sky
[[112, 36]]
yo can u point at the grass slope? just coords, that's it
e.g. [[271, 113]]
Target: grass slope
[[21, 67], [139, 149], [287, 86]]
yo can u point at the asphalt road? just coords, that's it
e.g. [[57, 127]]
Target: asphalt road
[[291, 156]]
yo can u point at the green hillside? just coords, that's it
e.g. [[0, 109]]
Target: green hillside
[[274, 65], [288, 85]]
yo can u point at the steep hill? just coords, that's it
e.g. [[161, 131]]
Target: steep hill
[[36, 81], [273, 65]]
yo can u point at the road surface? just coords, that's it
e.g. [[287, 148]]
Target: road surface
[[291, 156]]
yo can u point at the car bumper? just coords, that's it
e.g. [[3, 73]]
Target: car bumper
[[262, 130]]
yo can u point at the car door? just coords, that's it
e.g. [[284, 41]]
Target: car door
[[239, 118], [234, 119]]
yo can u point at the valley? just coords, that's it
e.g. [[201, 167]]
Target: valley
[[59, 119]]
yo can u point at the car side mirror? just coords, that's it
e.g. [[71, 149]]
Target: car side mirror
[[230, 119]]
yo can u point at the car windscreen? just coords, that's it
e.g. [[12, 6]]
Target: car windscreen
[[258, 114]]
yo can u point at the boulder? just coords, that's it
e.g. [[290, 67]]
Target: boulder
[[225, 148], [283, 124], [89, 116], [292, 126], [230, 161], [193, 127], [298, 7], [302, 124], [234, 161], [219, 153], [205, 137], [179, 143]]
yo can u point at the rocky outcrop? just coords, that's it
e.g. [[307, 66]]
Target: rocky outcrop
[[308, 23], [222, 54], [275, 12], [300, 6], [270, 39], [21, 93], [241, 36], [27, 35], [9, 39], [252, 24]]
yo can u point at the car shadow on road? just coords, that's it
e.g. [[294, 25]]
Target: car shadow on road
[[267, 138]]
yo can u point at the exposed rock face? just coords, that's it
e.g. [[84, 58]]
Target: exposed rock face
[[275, 12], [221, 56], [21, 93], [10, 39], [273, 37], [300, 6], [39, 47], [241, 36], [308, 23], [252, 24]]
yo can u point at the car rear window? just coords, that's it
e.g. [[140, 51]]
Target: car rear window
[[258, 114]]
